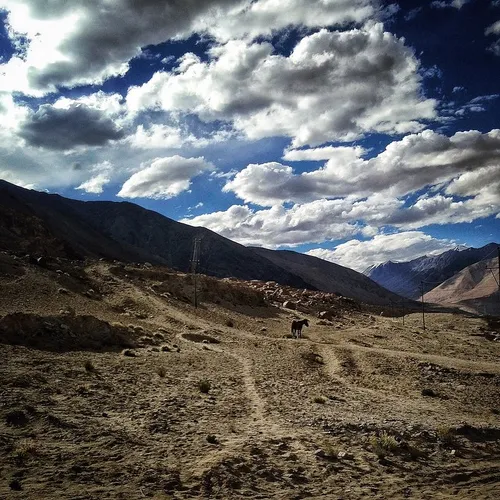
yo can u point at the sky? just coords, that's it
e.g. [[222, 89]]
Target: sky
[[358, 131]]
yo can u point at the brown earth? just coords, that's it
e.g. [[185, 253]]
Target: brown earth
[[115, 386]]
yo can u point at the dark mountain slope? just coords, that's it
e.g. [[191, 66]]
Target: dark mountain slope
[[330, 277], [53, 225]]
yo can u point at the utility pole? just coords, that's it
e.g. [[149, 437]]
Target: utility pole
[[423, 303], [403, 302], [195, 260]]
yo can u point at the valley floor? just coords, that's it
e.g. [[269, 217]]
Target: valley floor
[[219, 402]]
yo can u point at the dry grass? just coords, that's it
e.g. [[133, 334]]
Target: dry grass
[[25, 449], [383, 444]]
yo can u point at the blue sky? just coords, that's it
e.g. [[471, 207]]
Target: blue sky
[[354, 130]]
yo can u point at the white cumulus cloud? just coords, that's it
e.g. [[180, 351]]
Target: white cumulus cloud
[[335, 85], [164, 178], [416, 161], [404, 246]]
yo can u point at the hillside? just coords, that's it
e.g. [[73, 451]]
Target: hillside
[[330, 277], [114, 386], [404, 278], [474, 289], [51, 225], [48, 224]]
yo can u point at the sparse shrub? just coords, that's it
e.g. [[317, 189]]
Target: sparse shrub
[[83, 390], [383, 444], [16, 418], [229, 322], [162, 371], [204, 386], [445, 434], [212, 439], [429, 393], [15, 485], [320, 400], [25, 449], [89, 366], [331, 451]]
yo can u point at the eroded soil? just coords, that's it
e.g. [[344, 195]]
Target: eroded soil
[[219, 402]]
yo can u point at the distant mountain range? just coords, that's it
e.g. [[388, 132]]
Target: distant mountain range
[[404, 278], [51, 225], [474, 288]]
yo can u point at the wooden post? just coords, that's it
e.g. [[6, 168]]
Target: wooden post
[[194, 262], [403, 302], [423, 303], [498, 250]]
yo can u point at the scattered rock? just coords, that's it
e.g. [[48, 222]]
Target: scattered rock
[[212, 439], [289, 305], [429, 393], [62, 291], [130, 353]]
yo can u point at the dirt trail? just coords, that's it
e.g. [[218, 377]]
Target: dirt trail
[[283, 418]]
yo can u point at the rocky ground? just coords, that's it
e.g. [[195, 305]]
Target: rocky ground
[[115, 386]]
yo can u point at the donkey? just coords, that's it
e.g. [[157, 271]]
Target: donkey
[[297, 327]]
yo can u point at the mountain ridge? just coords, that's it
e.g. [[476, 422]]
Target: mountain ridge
[[50, 224], [474, 289], [404, 278]]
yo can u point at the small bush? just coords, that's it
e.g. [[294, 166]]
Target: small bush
[[429, 393], [383, 444], [204, 386], [230, 323], [445, 434], [25, 449], [320, 400], [162, 371], [331, 452], [89, 366], [212, 439], [83, 390]]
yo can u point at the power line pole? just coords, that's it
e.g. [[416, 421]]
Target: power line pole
[[195, 260], [403, 302], [423, 303]]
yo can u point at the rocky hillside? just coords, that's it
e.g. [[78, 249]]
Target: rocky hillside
[[330, 277], [474, 289], [404, 278], [50, 225]]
